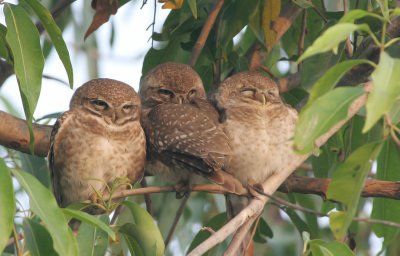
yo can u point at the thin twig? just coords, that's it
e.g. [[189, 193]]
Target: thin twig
[[198, 47], [241, 238], [147, 198], [176, 219]]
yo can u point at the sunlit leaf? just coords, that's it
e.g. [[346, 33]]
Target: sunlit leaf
[[347, 184], [333, 248], [7, 205], [385, 90], [24, 41], [37, 239], [43, 203], [330, 39], [143, 231], [55, 35], [270, 15], [383, 208], [323, 114], [91, 239]]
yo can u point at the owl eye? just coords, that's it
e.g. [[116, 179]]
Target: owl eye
[[100, 104], [272, 93], [127, 108], [165, 92], [192, 92], [248, 92]]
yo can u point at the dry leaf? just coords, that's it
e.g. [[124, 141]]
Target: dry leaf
[[171, 4], [104, 9], [270, 16]]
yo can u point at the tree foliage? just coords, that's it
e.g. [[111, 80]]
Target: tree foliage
[[325, 55]]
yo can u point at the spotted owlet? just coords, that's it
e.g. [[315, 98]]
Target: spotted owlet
[[259, 126], [182, 129], [98, 140]]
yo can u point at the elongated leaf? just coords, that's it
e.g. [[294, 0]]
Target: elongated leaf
[[55, 35], [7, 205], [330, 39], [145, 232], [387, 209], [353, 15], [91, 239], [37, 166], [42, 203], [37, 238], [347, 184], [323, 114], [193, 7], [24, 41], [328, 81], [323, 248], [269, 17], [386, 81], [92, 220]]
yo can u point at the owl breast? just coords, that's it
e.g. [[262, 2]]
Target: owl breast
[[260, 140], [102, 155]]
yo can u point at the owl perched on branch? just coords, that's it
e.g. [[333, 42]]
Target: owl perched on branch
[[98, 140], [259, 126], [182, 129]]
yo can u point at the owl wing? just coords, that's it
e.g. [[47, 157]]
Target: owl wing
[[55, 171], [190, 137]]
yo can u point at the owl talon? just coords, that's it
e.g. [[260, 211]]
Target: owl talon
[[182, 190]]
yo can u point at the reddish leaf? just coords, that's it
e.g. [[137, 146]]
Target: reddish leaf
[[104, 9]]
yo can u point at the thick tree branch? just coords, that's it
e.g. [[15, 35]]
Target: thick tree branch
[[14, 134]]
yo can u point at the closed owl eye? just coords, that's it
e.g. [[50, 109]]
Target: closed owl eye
[[99, 104], [165, 92], [247, 91], [128, 108]]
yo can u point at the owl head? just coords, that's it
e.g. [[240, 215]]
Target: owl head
[[113, 101], [171, 83], [249, 88]]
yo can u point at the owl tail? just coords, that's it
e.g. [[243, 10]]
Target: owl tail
[[235, 204]]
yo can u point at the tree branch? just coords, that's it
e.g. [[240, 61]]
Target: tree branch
[[14, 134], [199, 45]]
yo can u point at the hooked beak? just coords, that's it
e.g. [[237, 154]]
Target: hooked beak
[[261, 98]]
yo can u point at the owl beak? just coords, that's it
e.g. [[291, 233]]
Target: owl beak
[[261, 98], [179, 99], [114, 117]]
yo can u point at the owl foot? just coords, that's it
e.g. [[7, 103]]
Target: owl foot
[[182, 189], [254, 188]]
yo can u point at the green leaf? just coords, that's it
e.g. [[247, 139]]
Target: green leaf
[[323, 114], [55, 35], [323, 248], [235, 17], [262, 232], [330, 39], [91, 239], [353, 15], [143, 230], [193, 7], [42, 203], [297, 221], [7, 205], [385, 90], [24, 41], [92, 220], [37, 166], [383, 208], [37, 239], [328, 81], [347, 184], [215, 223]]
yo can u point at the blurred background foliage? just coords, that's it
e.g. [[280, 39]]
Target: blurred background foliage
[[243, 31]]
